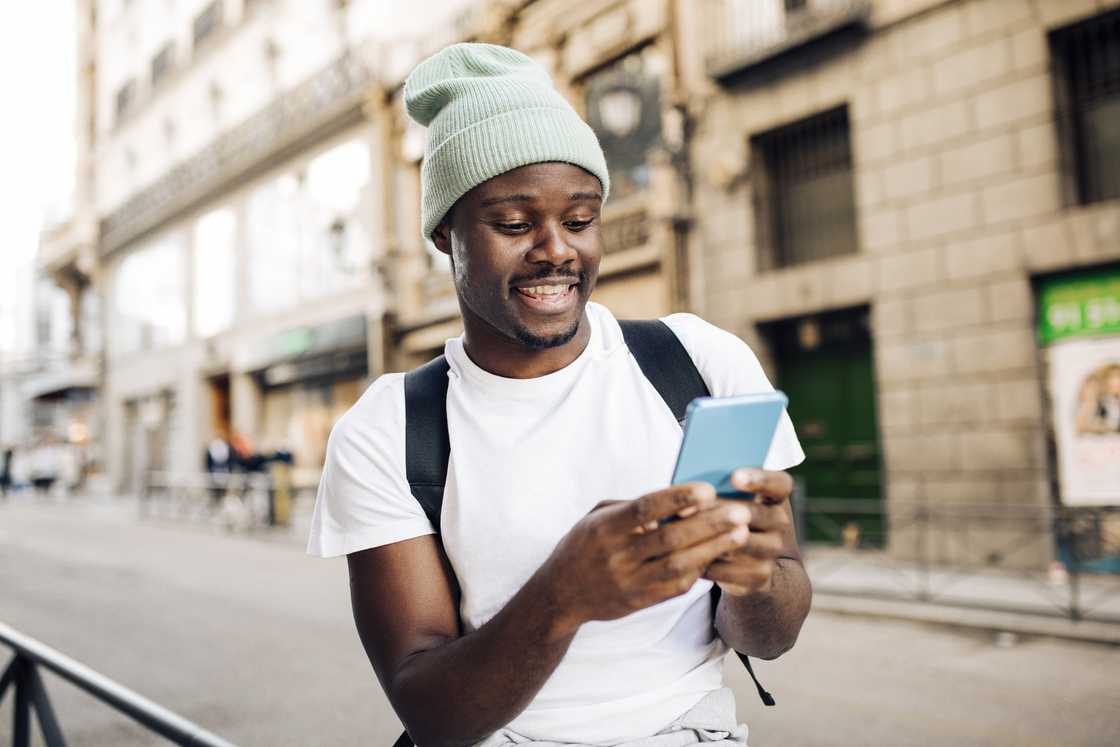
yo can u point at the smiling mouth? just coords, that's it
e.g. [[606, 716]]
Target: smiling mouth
[[551, 296]]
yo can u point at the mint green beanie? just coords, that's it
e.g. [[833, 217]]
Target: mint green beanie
[[490, 109]]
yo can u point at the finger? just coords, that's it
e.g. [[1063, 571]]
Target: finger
[[772, 517], [771, 484], [692, 560], [752, 575], [763, 545], [723, 518], [662, 504]]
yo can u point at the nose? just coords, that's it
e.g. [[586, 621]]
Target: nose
[[552, 245]]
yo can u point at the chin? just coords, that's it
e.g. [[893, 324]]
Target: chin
[[543, 340]]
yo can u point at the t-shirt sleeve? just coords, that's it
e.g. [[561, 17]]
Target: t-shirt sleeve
[[728, 366], [364, 500]]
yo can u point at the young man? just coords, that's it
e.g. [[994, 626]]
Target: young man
[[553, 606]]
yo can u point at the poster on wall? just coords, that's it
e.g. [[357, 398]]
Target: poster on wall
[[1080, 318]]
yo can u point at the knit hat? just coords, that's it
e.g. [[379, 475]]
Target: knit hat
[[490, 109]]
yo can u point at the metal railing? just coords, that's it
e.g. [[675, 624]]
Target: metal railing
[[241, 500], [1049, 560], [745, 32], [22, 675]]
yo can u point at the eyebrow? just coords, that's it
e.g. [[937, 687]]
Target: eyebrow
[[520, 197]]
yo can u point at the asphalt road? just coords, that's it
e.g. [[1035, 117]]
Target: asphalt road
[[253, 640]]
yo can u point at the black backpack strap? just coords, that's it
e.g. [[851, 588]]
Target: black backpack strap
[[665, 362], [427, 444], [668, 366]]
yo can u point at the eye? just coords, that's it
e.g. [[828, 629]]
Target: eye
[[578, 225], [517, 227]]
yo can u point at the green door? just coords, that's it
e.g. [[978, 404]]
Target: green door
[[825, 367]]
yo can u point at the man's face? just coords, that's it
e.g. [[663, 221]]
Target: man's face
[[525, 250], [1113, 382]]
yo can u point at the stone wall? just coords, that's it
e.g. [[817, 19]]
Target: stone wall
[[959, 202]]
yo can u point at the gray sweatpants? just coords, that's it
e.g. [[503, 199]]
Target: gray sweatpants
[[710, 722]]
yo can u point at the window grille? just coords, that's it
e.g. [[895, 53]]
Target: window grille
[[804, 209], [126, 94], [1087, 57], [207, 22], [625, 232], [162, 63]]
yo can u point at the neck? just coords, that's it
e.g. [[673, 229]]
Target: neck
[[502, 356]]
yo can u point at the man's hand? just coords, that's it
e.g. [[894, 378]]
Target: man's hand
[[750, 568], [614, 561]]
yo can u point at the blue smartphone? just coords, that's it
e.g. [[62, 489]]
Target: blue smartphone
[[722, 434]]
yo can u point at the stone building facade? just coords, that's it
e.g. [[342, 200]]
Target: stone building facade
[[948, 124]]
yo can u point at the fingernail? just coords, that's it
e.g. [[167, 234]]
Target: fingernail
[[740, 535], [684, 513], [748, 476]]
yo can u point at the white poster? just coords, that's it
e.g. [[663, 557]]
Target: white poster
[[1085, 388]]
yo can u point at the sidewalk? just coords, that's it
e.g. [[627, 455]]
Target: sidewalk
[[871, 583]]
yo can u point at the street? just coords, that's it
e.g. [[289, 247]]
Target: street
[[253, 640]]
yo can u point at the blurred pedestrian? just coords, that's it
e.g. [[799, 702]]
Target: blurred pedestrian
[[6, 459]]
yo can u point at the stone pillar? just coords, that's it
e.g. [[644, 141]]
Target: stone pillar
[[245, 402]]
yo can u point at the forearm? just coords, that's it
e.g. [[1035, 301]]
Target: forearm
[[462, 691], [766, 624]]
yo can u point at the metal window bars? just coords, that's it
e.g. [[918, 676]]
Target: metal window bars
[[1089, 57]]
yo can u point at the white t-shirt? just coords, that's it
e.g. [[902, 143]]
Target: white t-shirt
[[530, 458]]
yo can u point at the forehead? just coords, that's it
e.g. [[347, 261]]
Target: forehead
[[539, 181]]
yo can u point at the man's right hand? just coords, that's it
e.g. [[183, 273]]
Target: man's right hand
[[622, 558]]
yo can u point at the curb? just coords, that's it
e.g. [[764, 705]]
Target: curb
[[995, 621]]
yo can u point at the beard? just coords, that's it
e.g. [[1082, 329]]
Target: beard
[[543, 342]]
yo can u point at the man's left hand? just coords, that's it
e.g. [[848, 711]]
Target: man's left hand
[[751, 569]]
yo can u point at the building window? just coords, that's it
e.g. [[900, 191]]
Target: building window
[[802, 187], [623, 103], [1088, 86], [126, 96], [206, 23], [215, 272], [162, 63], [149, 305]]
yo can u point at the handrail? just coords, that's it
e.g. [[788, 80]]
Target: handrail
[[151, 715]]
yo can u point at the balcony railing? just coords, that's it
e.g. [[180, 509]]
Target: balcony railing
[[746, 32]]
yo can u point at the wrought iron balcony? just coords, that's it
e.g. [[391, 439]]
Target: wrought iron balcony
[[743, 33]]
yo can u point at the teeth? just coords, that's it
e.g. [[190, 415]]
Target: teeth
[[545, 290]]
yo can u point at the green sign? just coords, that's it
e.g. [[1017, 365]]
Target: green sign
[[1079, 305]]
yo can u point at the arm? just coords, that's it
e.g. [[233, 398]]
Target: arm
[[766, 591], [405, 605]]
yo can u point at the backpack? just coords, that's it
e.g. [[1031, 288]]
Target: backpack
[[661, 357]]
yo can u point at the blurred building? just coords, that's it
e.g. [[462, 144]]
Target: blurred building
[[908, 207], [233, 220], [887, 194]]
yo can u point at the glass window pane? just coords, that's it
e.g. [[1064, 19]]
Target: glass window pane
[[215, 272], [150, 298]]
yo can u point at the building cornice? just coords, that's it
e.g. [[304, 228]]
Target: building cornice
[[324, 103]]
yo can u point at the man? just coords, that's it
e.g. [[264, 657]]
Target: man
[[554, 606]]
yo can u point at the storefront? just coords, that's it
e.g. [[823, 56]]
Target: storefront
[[307, 378]]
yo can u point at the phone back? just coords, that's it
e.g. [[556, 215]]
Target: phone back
[[722, 434]]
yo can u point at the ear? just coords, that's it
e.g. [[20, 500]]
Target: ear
[[441, 236]]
